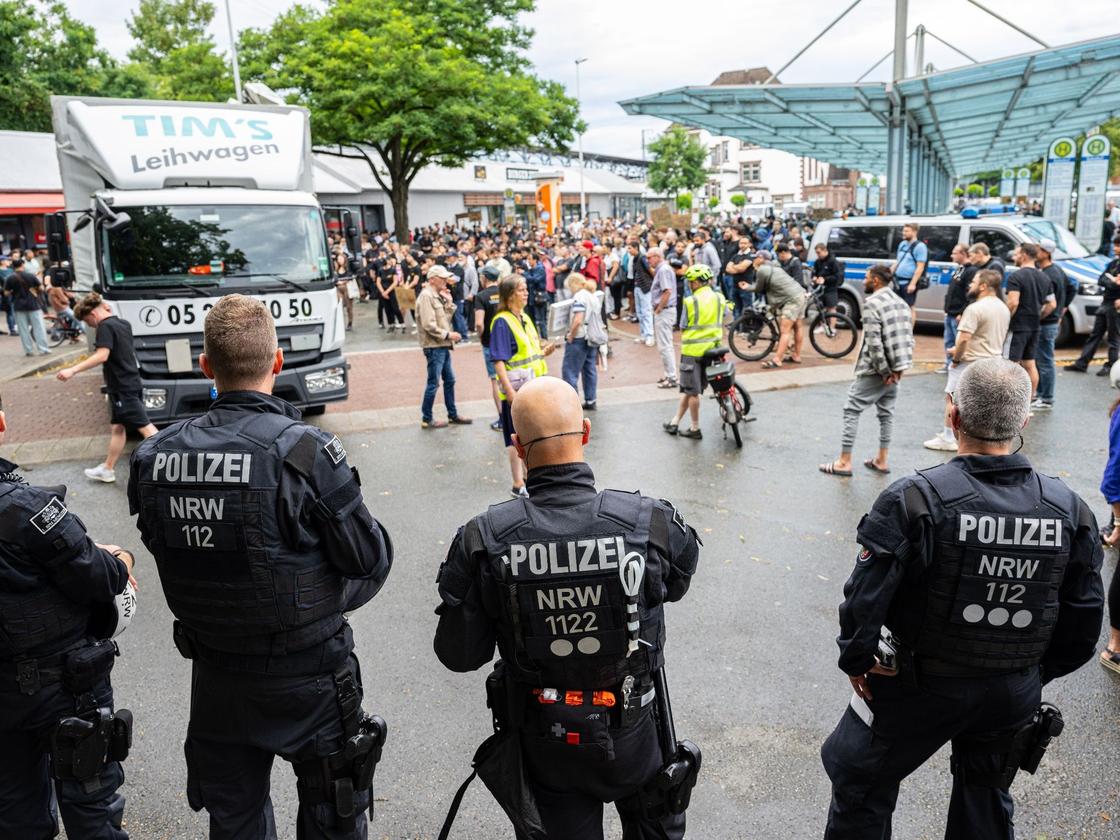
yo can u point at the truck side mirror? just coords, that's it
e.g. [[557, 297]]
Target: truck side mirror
[[119, 222], [58, 248]]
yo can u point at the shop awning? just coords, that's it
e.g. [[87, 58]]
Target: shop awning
[[29, 203]]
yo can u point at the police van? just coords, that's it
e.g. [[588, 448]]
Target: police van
[[862, 241]]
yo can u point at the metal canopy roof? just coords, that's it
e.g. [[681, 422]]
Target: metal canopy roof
[[973, 118]]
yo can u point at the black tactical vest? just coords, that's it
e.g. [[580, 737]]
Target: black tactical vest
[[35, 532], [989, 598], [581, 589], [208, 513]]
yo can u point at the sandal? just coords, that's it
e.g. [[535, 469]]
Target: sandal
[[770, 364], [667, 383], [871, 465], [1111, 660], [831, 469]]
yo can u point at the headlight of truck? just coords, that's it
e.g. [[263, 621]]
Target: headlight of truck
[[1090, 289], [155, 398], [331, 379]]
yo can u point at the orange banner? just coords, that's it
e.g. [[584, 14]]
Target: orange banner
[[548, 205]]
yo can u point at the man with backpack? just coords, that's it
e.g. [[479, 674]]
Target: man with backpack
[[909, 267], [586, 334], [23, 288]]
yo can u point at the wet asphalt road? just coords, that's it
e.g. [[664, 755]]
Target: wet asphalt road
[[751, 651]]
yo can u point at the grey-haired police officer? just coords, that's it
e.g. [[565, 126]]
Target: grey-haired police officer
[[60, 597], [262, 542], [570, 584], [987, 574]]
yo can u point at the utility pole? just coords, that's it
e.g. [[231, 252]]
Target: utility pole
[[233, 54], [579, 103], [896, 131]]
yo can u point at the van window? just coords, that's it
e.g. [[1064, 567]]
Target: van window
[[999, 243], [940, 239], [860, 241]]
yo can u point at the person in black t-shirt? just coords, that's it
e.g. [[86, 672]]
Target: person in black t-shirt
[[1050, 325], [956, 299], [23, 288], [1030, 300], [485, 308], [1107, 320], [115, 351]]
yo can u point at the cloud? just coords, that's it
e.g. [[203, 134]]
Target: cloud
[[635, 49]]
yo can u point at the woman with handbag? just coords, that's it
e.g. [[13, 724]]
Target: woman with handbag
[[518, 356]]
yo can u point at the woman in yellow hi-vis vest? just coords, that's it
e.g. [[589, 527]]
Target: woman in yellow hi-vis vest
[[701, 331], [518, 356]]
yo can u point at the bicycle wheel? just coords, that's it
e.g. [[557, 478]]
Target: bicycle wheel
[[832, 334], [752, 337], [56, 334], [744, 400], [730, 414]]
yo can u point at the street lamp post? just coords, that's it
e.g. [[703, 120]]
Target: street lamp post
[[233, 54], [582, 196]]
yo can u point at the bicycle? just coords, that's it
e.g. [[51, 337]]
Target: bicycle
[[61, 329], [754, 334], [734, 401]]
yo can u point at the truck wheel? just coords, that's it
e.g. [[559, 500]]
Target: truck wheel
[[314, 410], [1065, 331]]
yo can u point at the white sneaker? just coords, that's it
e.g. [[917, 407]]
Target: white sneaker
[[101, 473], [940, 444], [1039, 405], [639, 340], [649, 342]]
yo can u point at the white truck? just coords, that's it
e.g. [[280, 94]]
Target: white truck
[[175, 204]]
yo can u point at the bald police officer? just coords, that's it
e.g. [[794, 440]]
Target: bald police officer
[[570, 584], [262, 542], [987, 574], [59, 597]]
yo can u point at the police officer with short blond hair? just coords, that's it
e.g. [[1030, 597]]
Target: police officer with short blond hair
[[983, 577], [263, 545]]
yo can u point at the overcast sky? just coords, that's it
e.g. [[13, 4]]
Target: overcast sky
[[640, 48]]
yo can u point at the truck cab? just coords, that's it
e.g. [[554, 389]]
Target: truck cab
[[170, 206]]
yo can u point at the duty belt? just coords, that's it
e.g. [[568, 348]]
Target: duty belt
[[628, 701], [33, 674]]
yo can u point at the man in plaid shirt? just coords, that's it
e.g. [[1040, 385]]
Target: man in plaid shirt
[[887, 350]]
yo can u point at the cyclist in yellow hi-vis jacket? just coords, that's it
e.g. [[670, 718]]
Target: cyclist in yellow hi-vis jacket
[[701, 331]]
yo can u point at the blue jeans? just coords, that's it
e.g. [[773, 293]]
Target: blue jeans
[[580, 357], [10, 311], [439, 366], [950, 335], [32, 333], [1044, 358], [458, 323], [644, 309]]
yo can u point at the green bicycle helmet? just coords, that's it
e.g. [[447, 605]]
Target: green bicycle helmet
[[699, 274]]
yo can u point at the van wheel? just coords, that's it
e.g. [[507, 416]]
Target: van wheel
[[1065, 331], [847, 306]]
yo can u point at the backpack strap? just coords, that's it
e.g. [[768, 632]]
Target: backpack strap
[[950, 483]]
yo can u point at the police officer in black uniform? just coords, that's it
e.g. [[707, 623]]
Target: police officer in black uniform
[[987, 574], [570, 584], [263, 543], [59, 594]]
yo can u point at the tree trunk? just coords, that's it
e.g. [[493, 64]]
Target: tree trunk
[[399, 197]]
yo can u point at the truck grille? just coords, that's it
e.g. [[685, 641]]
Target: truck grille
[[151, 351]]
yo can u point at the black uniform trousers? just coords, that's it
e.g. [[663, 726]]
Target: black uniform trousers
[[239, 722], [29, 799], [572, 782], [1106, 322], [867, 763]]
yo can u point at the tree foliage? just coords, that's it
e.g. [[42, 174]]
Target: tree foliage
[[175, 49], [738, 199], [684, 201], [678, 162], [48, 52], [409, 83]]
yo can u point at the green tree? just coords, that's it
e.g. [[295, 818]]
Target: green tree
[[174, 47], [958, 192], [405, 84], [48, 52], [738, 199], [974, 190], [684, 201], [678, 162], [993, 192], [713, 202]]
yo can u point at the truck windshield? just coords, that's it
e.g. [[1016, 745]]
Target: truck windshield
[[1068, 246], [228, 246]]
